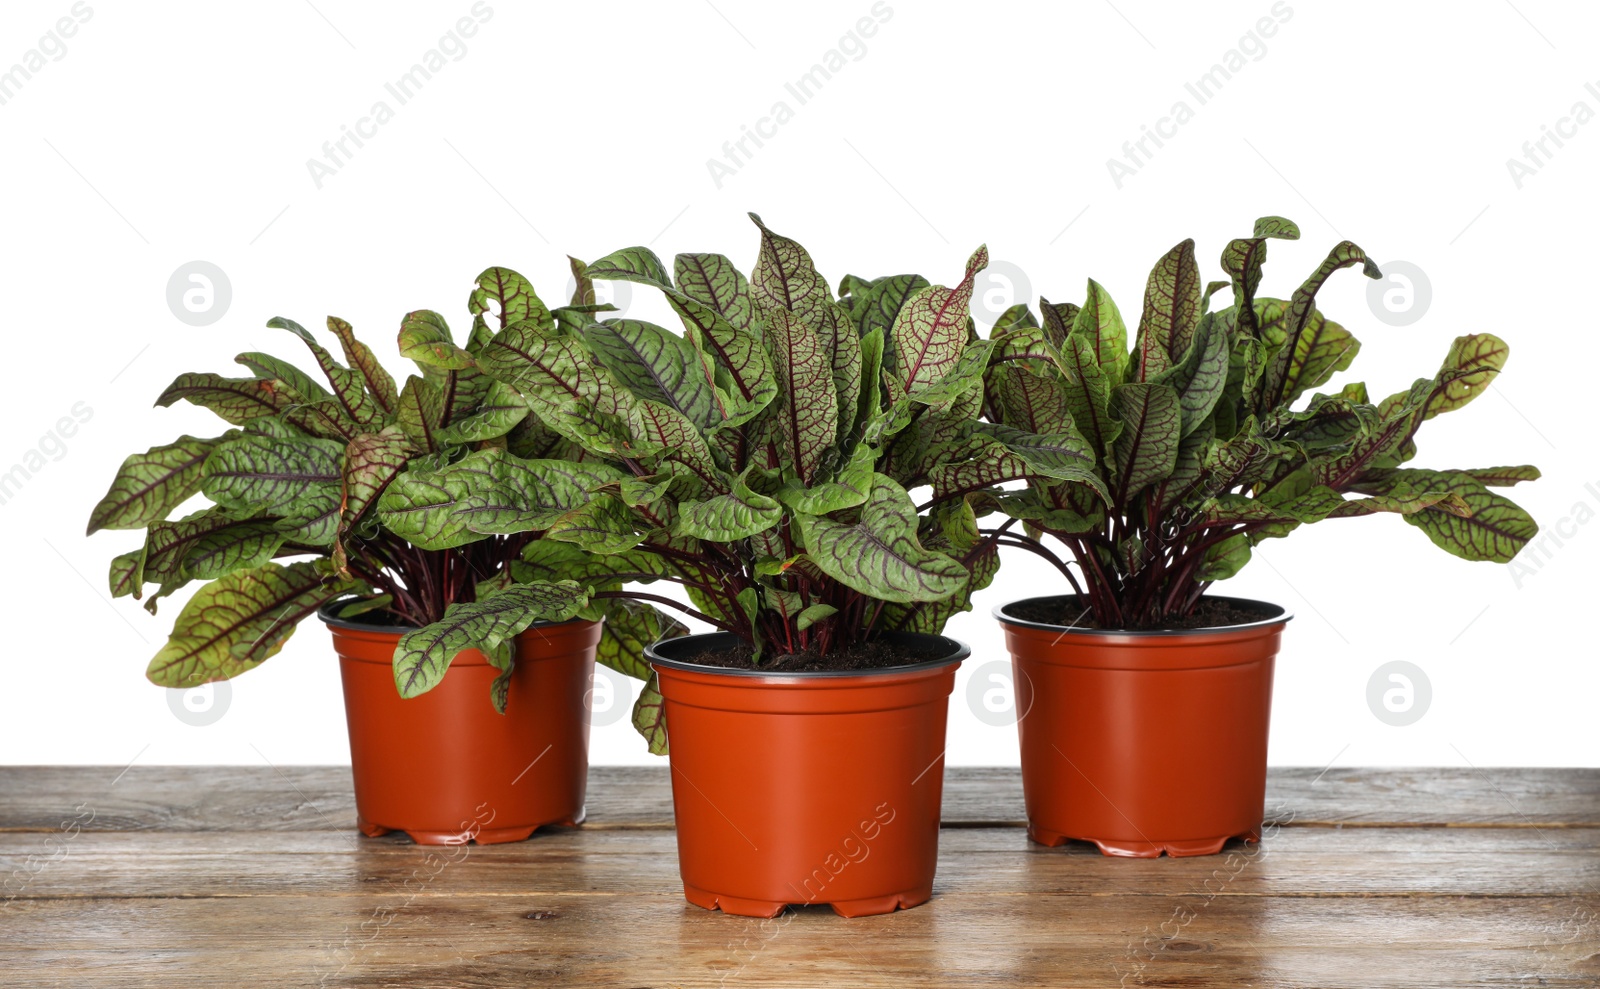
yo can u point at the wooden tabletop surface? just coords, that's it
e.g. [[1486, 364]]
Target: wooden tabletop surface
[[255, 877]]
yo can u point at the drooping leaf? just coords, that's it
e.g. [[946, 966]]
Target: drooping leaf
[[629, 627], [425, 338], [879, 555], [239, 620], [349, 387], [423, 655], [724, 518], [237, 400], [650, 716]]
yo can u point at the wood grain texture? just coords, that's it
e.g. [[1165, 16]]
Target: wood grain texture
[[208, 877]]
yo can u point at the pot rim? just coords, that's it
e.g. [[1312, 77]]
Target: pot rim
[[959, 651], [1284, 615], [328, 617]]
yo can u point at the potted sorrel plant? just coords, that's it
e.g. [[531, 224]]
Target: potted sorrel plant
[[761, 460], [1146, 698], [299, 479]]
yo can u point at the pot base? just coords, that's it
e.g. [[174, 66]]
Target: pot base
[[483, 836], [738, 907], [1143, 849]]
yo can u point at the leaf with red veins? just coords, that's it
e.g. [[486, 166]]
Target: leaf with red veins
[[931, 331]]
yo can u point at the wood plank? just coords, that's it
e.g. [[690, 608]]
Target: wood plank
[[1418, 862], [178, 798], [999, 940]]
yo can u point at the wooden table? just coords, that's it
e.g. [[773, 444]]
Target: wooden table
[[254, 877]]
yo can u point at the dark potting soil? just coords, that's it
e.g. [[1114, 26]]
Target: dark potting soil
[[875, 655], [1209, 613]]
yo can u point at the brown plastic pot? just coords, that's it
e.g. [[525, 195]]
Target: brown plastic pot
[[806, 787], [445, 767], [1144, 742]]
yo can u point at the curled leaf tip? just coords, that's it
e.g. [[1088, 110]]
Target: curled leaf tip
[[1370, 269]]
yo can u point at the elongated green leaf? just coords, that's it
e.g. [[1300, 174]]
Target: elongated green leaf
[[1171, 312], [349, 387], [126, 576], [1099, 324], [237, 400], [1496, 528], [954, 533], [379, 384], [1283, 374], [204, 546], [239, 620], [1087, 393], [500, 411], [1471, 365], [1502, 477], [880, 303], [1201, 376], [713, 281], [650, 716], [600, 525], [425, 338], [1147, 448], [931, 331], [421, 414], [424, 655], [149, 485], [785, 278], [880, 555], [1322, 349], [657, 365], [286, 378], [807, 404], [847, 490], [966, 374], [291, 477]]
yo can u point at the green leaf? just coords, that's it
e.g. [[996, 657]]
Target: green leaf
[[501, 410], [785, 278], [127, 574], [816, 613], [930, 332], [1496, 528], [237, 400], [847, 490], [879, 555], [1502, 477], [513, 296], [725, 518], [599, 525], [149, 485], [1171, 312], [1146, 450], [238, 621], [1201, 377], [713, 281], [425, 338], [650, 716], [359, 356], [1283, 375], [285, 377], [204, 546], [657, 365], [1277, 226], [807, 405], [423, 655], [349, 387], [965, 375], [421, 414], [1100, 325], [629, 627], [290, 477], [636, 264], [562, 383], [1087, 392]]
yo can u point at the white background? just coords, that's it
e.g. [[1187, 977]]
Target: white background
[[182, 131]]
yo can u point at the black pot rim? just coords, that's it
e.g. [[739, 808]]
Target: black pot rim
[[1284, 615], [329, 616], [959, 651]]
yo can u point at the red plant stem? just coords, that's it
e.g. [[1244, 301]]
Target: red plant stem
[[658, 599]]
